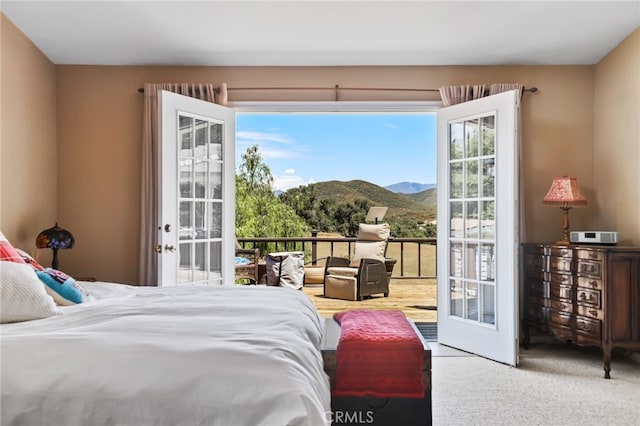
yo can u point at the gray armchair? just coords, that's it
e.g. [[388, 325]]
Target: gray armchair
[[367, 272]]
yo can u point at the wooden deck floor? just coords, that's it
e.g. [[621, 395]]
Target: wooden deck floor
[[416, 298]]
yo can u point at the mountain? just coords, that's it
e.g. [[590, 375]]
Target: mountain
[[409, 187], [420, 205]]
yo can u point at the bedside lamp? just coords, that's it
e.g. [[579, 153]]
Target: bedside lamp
[[564, 193], [55, 238]]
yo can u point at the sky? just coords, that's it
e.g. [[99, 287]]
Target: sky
[[304, 148]]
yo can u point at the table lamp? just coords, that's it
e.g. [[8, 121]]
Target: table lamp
[[55, 238], [564, 193]]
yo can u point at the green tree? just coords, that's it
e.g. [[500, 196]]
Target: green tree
[[259, 213]]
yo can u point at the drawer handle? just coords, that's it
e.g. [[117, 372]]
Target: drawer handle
[[593, 312], [593, 255], [591, 328], [589, 269], [589, 298], [593, 284]]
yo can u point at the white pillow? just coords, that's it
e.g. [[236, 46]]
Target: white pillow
[[22, 294]]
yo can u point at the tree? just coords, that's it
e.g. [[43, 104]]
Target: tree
[[259, 213]]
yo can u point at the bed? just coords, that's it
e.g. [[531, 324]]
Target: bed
[[238, 355]]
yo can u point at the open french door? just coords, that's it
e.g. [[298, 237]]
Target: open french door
[[478, 227], [197, 192]]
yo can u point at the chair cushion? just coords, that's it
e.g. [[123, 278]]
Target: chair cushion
[[342, 271], [377, 232], [337, 287], [368, 250]]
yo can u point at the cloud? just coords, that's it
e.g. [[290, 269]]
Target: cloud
[[288, 181], [257, 137], [289, 171]]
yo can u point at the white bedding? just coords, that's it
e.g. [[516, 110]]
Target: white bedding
[[168, 356]]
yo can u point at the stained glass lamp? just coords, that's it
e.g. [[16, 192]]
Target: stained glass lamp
[[565, 194], [55, 238]]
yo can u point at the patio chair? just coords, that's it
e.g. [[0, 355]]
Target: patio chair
[[367, 272], [247, 263]]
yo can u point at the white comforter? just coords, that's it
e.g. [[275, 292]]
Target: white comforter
[[168, 356]]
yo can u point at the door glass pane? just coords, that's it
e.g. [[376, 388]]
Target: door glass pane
[[456, 260], [215, 141], [200, 147], [200, 219], [215, 263], [471, 301], [488, 311], [488, 174], [471, 178], [186, 221], [471, 135], [215, 180], [200, 261], [457, 221], [471, 219], [185, 170], [200, 179], [488, 135], [456, 144], [456, 298], [215, 229], [186, 136], [184, 271], [487, 262], [456, 180], [487, 219]]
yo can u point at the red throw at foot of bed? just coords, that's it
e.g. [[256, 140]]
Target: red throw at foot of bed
[[379, 355]]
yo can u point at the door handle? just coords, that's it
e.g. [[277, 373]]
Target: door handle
[[169, 248]]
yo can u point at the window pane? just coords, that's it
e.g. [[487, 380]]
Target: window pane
[[471, 261], [200, 218], [200, 179], [471, 219], [200, 264], [488, 312], [487, 220], [186, 136], [215, 263], [487, 262], [456, 260], [215, 180], [185, 169], [488, 177], [216, 220], [472, 178], [201, 138], [471, 301]]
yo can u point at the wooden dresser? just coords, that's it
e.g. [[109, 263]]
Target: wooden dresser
[[585, 294]]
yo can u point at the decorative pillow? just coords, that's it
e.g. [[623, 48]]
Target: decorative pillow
[[64, 289], [28, 259], [371, 244], [22, 294], [7, 251]]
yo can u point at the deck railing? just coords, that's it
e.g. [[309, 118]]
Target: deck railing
[[416, 257]]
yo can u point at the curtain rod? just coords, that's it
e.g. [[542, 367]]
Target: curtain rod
[[337, 88]]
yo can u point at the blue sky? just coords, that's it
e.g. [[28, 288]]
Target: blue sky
[[306, 148]]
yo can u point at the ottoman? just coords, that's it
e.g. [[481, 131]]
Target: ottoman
[[348, 410]]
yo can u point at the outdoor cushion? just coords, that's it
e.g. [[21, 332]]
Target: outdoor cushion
[[368, 250], [342, 271]]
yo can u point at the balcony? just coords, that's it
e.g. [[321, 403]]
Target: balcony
[[413, 282]]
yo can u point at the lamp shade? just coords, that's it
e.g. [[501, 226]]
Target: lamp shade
[[55, 238], [564, 191]]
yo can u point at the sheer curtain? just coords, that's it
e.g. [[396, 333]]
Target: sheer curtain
[[148, 258]]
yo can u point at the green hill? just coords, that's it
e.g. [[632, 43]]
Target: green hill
[[421, 205]]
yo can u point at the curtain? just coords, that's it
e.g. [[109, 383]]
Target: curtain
[[148, 258], [503, 87], [452, 95]]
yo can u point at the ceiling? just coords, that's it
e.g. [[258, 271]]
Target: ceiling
[[322, 33]]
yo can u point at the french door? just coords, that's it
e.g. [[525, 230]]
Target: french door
[[197, 195], [478, 235]]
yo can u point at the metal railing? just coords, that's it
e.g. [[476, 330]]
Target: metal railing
[[416, 257]]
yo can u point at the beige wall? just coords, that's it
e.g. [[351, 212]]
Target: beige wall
[[28, 163], [616, 205], [99, 113]]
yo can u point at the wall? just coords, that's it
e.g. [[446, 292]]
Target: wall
[[100, 113], [616, 205], [28, 163]]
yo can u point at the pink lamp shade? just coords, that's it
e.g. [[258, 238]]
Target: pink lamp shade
[[564, 191]]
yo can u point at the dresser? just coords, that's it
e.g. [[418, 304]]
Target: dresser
[[587, 295]]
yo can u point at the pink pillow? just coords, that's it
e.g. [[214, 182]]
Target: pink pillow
[[8, 252]]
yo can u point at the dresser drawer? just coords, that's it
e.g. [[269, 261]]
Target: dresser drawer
[[561, 252], [589, 326], [587, 268], [561, 306], [590, 283], [589, 311], [560, 319], [560, 292], [589, 254], [588, 297], [559, 264], [564, 279]]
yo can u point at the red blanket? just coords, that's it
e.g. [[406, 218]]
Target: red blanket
[[378, 354]]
